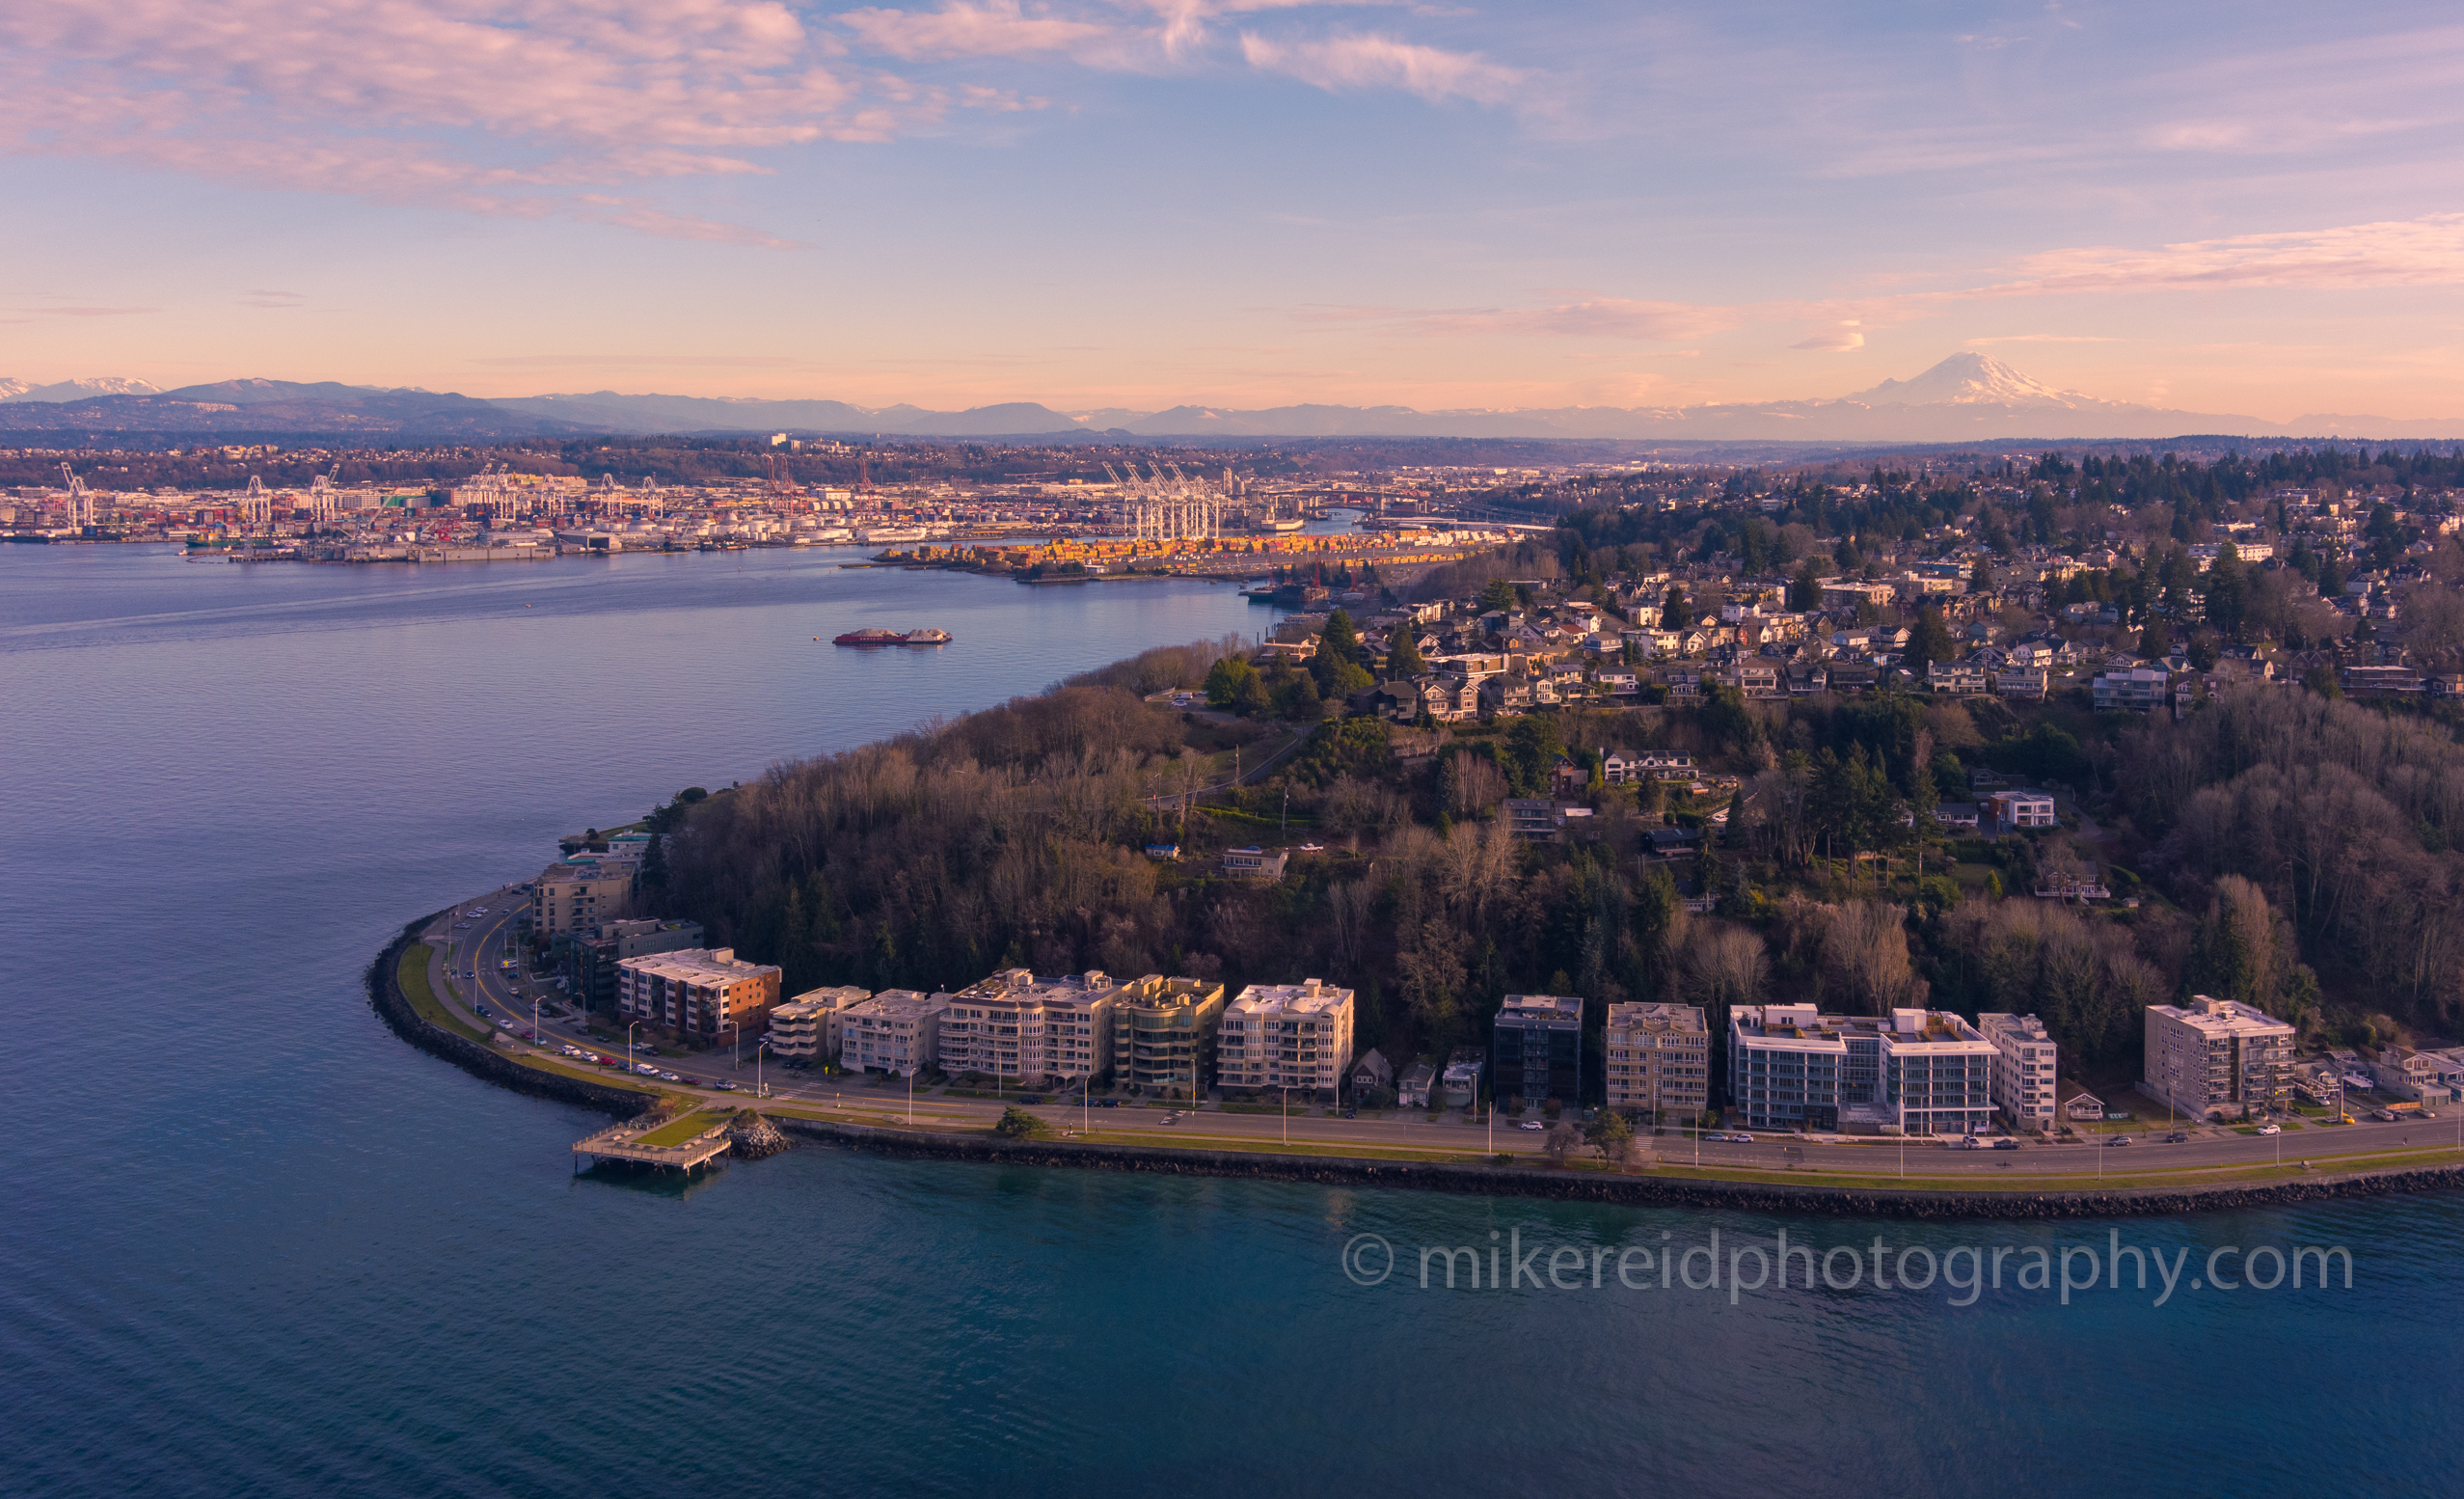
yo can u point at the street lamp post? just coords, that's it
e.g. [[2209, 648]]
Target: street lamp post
[[736, 1044], [629, 1031], [1286, 1110]]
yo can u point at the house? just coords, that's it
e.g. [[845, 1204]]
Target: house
[[1532, 818], [1461, 1081], [1957, 815], [1955, 678], [1371, 1074], [2136, 690], [1255, 863], [2019, 807], [2084, 1105], [2022, 682], [1413, 1091]]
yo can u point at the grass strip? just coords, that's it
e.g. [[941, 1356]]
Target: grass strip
[[413, 974], [680, 1131]]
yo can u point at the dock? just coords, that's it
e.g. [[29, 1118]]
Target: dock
[[680, 1145]]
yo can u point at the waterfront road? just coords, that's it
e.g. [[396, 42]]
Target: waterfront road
[[484, 994]]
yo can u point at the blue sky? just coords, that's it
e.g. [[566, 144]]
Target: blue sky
[[2250, 208]]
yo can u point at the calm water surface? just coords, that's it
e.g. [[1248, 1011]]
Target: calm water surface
[[258, 1246]]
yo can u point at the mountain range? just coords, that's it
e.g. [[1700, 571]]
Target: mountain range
[[1966, 397]]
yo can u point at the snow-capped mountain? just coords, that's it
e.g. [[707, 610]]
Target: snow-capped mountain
[[78, 390], [1973, 380]]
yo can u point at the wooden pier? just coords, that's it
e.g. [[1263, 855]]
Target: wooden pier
[[633, 1142]]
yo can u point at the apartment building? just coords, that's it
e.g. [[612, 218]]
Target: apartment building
[[1163, 1034], [705, 994], [577, 894], [808, 1026], [1919, 1071], [1017, 1028], [1536, 1049], [2024, 1071], [1278, 1036], [2019, 807], [1658, 1060], [897, 1031], [2215, 1057], [2136, 690], [592, 955]]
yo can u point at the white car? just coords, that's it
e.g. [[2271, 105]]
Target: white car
[[645, 1069], [1531, 1124], [2271, 1128], [669, 1077]]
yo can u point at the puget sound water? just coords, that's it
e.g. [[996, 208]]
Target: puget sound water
[[257, 1245]]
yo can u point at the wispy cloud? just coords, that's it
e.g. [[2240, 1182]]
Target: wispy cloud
[[2423, 252], [96, 312], [997, 28], [497, 106], [1380, 62], [1843, 339], [1593, 318]]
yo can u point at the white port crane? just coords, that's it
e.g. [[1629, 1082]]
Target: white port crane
[[81, 499]]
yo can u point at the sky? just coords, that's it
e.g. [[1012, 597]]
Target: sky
[[2254, 207]]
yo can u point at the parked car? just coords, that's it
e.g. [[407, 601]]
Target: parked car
[[1030, 1097], [2270, 1128], [1969, 1142], [1107, 1102], [2006, 1144], [1535, 1123], [669, 1077], [725, 1086], [2118, 1139], [2177, 1137]]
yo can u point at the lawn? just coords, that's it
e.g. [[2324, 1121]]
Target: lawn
[[677, 1132], [413, 973]]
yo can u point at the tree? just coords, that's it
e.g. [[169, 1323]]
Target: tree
[[1224, 678], [1806, 595], [1560, 1142], [1611, 1135], [1676, 614], [1016, 1124], [1249, 696], [1296, 699], [1980, 578], [1403, 655], [1339, 640], [1498, 597], [2155, 642], [1929, 643]]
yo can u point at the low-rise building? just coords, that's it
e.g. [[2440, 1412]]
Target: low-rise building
[[2215, 1057], [1917, 1071], [1412, 1090], [2427, 1078], [2026, 1073], [1163, 1034], [806, 1027], [897, 1031], [1658, 1060], [707, 996], [1022, 1029], [1536, 1043], [1287, 1036]]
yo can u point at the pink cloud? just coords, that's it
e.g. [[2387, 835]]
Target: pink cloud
[[496, 106], [997, 28], [2423, 252], [1371, 62], [1594, 317]]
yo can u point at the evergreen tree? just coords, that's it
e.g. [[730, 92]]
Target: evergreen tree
[[1403, 655], [1339, 640], [1806, 595], [1676, 616], [1929, 643]]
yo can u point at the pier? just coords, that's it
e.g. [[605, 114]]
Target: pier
[[679, 1144]]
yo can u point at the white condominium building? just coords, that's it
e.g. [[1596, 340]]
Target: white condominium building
[[2217, 1056], [1017, 1028], [898, 1031], [1296, 1036], [2025, 1071], [808, 1026], [1659, 1059]]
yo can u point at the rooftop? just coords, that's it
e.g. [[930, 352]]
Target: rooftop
[[698, 966], [1309, 996], [2216, 1017]]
